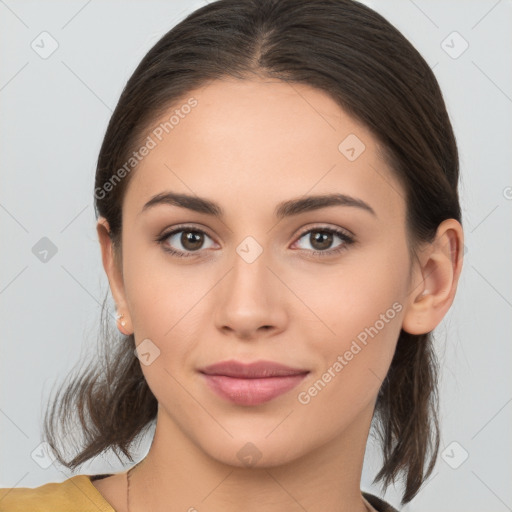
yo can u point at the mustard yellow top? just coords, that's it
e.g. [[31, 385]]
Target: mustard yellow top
[[78, 494], [74, 494]]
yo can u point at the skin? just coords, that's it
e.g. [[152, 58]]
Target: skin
[[249, 145]]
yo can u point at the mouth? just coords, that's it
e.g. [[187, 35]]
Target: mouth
[[253, 383]]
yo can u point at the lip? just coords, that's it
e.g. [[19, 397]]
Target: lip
[[251, 383]]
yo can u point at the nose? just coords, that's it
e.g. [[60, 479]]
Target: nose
[[252, 300]]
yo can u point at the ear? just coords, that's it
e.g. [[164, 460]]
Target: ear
[[113, 268], [435, 279]]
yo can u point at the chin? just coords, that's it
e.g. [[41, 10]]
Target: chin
[[256, 452]]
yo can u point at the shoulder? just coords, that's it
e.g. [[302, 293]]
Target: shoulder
[[74, 494], [378, 503]]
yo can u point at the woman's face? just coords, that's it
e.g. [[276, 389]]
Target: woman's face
[[264, 280]]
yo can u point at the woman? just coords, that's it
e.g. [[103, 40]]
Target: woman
[[279, 222]]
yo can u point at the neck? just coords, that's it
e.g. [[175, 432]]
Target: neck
[[178, 475]]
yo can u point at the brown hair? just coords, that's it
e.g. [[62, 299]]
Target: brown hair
[[373, 72]]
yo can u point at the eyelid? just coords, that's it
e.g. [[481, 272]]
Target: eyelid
[[166, 233], [327, 227], [303, 231]]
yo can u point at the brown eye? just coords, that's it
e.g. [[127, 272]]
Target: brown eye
[[184, 242], [321, 241], [191, 240]]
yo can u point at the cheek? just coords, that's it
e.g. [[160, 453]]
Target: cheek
[[165, 305], [158, 293], [168, 305], [352, 362], [361, 307]]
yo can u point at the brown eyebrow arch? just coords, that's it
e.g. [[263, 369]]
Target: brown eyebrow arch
[[282, 210]]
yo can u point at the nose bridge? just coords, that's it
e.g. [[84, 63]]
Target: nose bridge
[[250, 275], [251, 298]]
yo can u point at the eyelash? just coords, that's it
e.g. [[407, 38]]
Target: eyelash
[[347, 239]]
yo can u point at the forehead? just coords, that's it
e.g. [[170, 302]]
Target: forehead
[[254, 143]]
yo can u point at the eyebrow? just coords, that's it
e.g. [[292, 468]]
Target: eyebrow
[[282, 210]]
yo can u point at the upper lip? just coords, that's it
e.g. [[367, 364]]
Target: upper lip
[[254, 370]]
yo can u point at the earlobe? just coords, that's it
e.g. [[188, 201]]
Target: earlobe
[[439, 268], [122, 324], [114, 276]]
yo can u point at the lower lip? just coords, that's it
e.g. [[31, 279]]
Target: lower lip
[[252, 391]]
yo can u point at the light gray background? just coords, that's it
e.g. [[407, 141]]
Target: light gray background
[[54, 114]]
